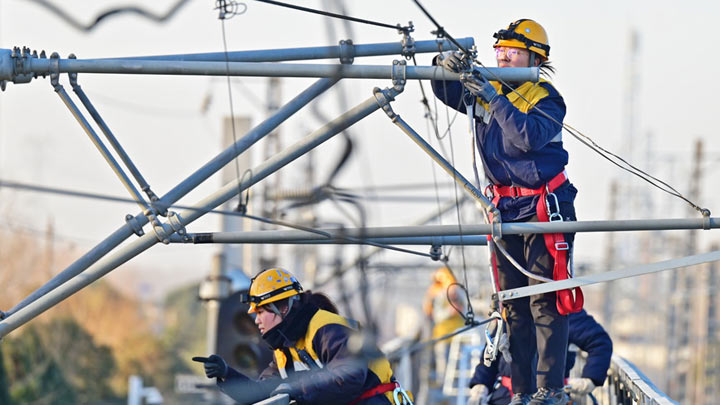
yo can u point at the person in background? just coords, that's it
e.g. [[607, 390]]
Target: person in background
[[312, 361], [517, 129], [493, 385], [443, 307]]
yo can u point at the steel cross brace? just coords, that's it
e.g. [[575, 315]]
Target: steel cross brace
[[95, 271], [184, 187]]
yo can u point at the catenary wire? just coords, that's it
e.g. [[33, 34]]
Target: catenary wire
[[334, 15], [53, 190]]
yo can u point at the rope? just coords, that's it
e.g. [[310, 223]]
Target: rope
[[334, 15]]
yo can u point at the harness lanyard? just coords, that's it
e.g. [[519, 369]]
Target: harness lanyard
[[566, 301]]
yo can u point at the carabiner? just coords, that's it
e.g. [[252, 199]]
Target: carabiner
[[399, 394], [553, 216]]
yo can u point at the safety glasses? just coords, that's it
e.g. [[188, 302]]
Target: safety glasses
[[510, 53]]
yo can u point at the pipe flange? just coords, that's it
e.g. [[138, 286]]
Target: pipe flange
[[347, 52], [134, 225]]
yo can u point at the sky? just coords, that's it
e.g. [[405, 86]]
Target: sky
[[172, 125]]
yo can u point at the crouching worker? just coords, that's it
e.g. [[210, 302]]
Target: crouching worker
[[492, 385], [312, 361]]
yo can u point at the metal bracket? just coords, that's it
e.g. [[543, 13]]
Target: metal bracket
[[384, 102], [55, 69], [347, 52], [706, 218], [399, 76], [162, 231], [134, 224], [177, 225], [73, 75], [408, 43], [435, 252]]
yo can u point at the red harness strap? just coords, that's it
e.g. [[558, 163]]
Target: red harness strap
[[570, 300], [379, 389]]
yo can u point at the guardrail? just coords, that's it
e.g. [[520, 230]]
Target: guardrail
[[625, 385]]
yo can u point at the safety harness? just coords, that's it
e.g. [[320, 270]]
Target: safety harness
[[548, 210]]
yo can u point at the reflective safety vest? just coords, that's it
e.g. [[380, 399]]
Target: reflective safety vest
[[303, 349]]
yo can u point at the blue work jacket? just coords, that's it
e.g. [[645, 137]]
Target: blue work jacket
[[517, 143]]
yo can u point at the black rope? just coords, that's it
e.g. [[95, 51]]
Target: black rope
[[421, 345], [334, 15]]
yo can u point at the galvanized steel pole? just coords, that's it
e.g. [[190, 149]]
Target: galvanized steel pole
[[321, 52]]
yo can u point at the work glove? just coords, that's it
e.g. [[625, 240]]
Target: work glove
[[215, 366], [479, 395], [479, 87], [453, 61], [579, 387], [503, 348]]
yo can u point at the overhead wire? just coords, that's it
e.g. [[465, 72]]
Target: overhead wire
[[334, 15], [110, 13], [80, 194]]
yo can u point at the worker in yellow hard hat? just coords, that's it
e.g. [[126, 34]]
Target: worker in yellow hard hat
[[517, 131], [312, 361]]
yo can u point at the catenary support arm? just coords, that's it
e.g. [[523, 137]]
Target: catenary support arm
[[164, 231], [135, 224]]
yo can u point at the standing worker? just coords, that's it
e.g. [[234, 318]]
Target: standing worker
[[312, 361], [517, 129], [443, 306]]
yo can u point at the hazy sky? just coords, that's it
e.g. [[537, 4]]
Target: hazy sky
[[162, 124]]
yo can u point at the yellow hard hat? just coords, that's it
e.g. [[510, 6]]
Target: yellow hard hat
[[272, 285], [526, 34], [444, 277]]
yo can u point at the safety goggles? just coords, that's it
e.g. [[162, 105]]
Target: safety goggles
[[510, 53]]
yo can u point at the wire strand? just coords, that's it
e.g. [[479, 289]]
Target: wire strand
[[334, 15]]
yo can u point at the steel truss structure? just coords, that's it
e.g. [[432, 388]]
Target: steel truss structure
[[167, 226]]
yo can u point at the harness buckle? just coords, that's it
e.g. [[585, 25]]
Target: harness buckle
[[562, 245]]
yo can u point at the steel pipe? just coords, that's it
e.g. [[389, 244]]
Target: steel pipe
[[253, 238], [32, 66], [320, 52], [514, 228]]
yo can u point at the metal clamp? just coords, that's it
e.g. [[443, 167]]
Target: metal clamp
[[399, 74], [383, 99], [162, 231], [347, 52], [408, 43], [134, 225], [55, 70], [435, 252], [73, 75], [706, 218], [176, 223]]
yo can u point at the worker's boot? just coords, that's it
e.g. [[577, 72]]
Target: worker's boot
[[549, 396], [520, 399]]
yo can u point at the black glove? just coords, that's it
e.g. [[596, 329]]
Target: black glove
[[215, 366], [479, 86]]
